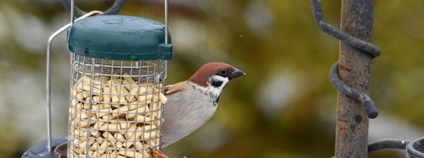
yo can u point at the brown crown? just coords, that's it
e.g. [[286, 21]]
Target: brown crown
[[201, 77]]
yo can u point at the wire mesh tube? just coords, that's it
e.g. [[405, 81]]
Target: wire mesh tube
[[115, 107]]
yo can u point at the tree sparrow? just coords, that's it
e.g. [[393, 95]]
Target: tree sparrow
[[190, 103]]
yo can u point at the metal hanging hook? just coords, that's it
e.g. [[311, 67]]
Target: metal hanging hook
[[48, 82], [114, 9], [366, 47], [387, 144], [366, 101], [369, 48]]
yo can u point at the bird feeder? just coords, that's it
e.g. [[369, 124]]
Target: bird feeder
[[118, 65], [118, 68]]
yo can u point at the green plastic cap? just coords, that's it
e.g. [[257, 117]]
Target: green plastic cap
[[118, 37]]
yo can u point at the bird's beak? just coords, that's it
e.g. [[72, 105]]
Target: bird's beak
[[237, 73]]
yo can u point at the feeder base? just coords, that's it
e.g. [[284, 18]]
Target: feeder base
[[40, 150]]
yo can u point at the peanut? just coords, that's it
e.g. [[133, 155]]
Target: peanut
[[117, 116]]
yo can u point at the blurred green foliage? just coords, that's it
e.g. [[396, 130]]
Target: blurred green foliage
[[285, 55]]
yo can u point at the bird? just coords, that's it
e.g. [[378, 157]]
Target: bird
[[191, 103]]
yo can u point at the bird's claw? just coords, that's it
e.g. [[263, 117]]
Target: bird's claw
[[156, 153]]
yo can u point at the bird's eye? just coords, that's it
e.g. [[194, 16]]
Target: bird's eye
[[224, 72]]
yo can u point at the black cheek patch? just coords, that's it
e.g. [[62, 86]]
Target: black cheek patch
[[216, 83]]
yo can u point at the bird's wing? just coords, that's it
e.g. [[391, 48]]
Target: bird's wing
[[170, 89]]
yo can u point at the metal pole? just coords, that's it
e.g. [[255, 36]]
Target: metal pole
[[166, 37], [166, 22], [355, 71]]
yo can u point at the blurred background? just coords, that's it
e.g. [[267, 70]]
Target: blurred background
[[284, 107]]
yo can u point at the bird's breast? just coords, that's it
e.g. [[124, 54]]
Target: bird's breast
[[184, 113]]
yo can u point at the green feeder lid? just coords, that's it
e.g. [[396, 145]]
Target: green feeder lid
[[119, 37]]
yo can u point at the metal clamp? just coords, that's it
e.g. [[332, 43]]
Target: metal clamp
[[367, 47], [114, 9]]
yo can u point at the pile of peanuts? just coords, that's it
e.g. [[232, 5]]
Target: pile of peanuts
[[114, 117]]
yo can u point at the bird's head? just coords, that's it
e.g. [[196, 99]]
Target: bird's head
[[215, 74]]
